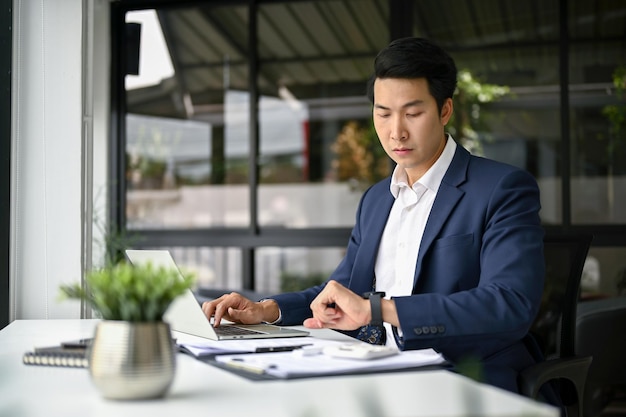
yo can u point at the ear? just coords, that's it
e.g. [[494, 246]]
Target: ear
[[446, 111]]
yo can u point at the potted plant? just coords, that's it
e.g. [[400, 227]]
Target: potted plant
[[132, 352]]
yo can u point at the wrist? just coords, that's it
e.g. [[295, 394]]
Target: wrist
[[270, 312], [375, 299]]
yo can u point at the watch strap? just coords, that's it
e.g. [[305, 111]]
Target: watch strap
[[376, 307]]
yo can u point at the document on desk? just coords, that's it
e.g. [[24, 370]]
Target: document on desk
[[288, 365], [207, 348]]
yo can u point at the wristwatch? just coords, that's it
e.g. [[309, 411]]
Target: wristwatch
[[375, 298]]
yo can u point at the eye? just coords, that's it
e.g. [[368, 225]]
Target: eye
[[383, 115]]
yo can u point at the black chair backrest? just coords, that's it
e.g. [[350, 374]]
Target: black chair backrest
[[555, 325], [601, 333]]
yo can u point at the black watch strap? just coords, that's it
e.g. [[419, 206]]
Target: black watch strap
[[375, 298]]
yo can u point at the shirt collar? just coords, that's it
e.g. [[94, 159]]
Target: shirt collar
[[432, 178]]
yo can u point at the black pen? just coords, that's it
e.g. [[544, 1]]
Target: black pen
[[279, 348]]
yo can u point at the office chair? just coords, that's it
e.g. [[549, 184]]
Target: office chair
[[554, 328], [601, 333]]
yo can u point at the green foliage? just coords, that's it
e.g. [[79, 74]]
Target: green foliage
[[616, 113], [476, 91], [110, 240], [290, 282], [130, 292], [466, 120]]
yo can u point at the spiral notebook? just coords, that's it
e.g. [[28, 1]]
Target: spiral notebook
[[62, 355]]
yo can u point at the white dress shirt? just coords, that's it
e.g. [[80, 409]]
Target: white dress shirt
[[400, 242]]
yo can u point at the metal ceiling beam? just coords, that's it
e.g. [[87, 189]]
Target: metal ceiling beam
[[181, 90]]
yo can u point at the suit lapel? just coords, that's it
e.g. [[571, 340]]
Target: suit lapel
[[372, 234], [447, 198]]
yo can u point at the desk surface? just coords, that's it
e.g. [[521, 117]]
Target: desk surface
[[201, 389]]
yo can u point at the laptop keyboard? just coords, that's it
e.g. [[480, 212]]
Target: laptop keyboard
[[235, 331]]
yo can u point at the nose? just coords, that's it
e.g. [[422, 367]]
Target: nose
[[398, 130]]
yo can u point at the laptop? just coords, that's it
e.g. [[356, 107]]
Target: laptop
[[185, 314]]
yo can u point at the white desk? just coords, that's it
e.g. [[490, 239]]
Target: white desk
[[203, 390]]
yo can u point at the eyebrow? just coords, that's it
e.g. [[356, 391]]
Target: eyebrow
[[404, 106]]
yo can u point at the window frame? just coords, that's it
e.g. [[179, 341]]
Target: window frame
[[252, 237]]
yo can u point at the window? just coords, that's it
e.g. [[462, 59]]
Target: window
[[187, 133], [598, 117], [241, 155]]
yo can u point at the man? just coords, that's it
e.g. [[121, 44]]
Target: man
[[453, 240]]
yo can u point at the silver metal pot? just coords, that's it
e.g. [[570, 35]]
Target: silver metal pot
[[129, 361]]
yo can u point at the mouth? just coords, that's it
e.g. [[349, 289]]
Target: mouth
[[402, 151]]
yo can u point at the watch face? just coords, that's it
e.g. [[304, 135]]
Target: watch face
[[370, 293]]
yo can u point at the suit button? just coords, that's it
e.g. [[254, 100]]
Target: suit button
[[418, 331], [441, 329], [425, 329], [434, 330]]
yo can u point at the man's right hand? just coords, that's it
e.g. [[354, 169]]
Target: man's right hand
[[237, 308]]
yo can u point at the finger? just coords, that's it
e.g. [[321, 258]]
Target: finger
[[208, 308], [329, 315], [316, 323], [325, 313], [234, 314], [246, 315], [219, 313], [221, 306], [313, 323]]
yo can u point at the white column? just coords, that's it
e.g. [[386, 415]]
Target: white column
[[46, 247]]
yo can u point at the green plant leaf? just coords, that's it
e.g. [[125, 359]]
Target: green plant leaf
[[136, 293]]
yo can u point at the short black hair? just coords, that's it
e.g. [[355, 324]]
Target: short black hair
[[412, 58]]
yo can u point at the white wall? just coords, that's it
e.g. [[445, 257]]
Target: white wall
[[52, 124]]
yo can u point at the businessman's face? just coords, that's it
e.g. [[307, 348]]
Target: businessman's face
[[408, 123]]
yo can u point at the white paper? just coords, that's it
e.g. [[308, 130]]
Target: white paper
[[291, 364], [211, 347]]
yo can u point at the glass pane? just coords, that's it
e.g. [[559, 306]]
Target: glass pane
[[277, 269], [290, 269], [211, 267], [598, 114], [186, 145], [604, 274], [507, 102], [313, 107]]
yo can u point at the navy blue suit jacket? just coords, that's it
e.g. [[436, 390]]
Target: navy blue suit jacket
[[480, 269]]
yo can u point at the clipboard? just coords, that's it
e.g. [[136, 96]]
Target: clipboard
[[288, 365]]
